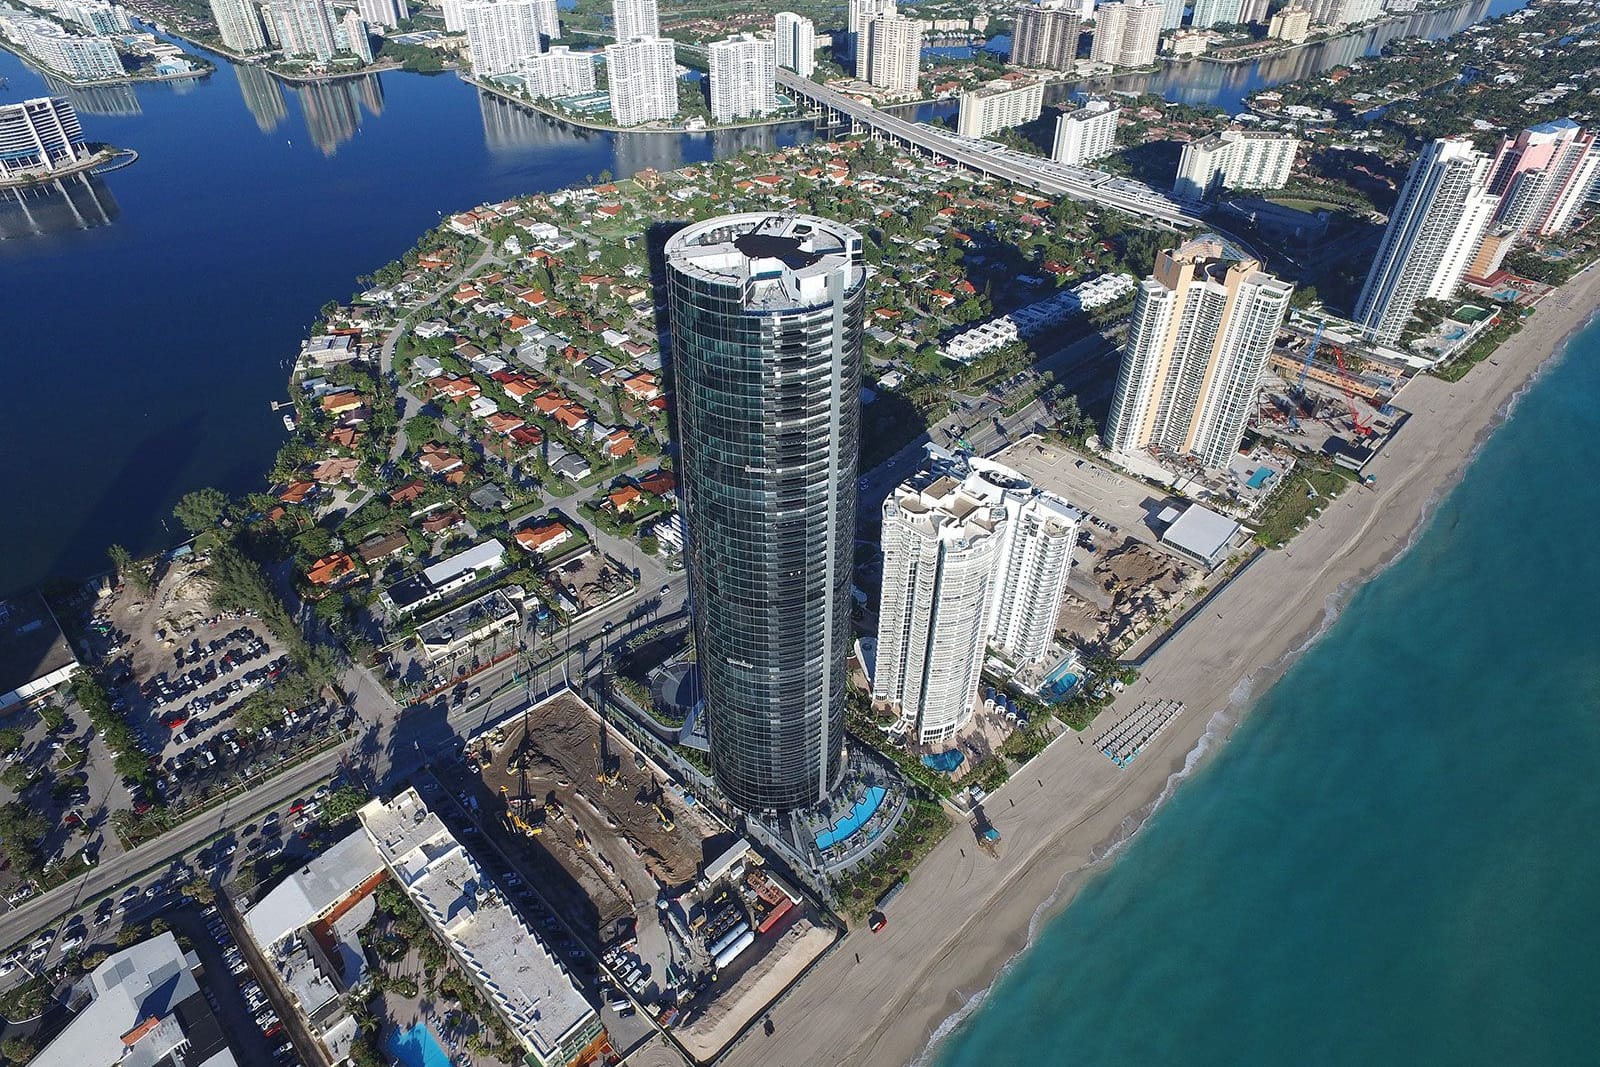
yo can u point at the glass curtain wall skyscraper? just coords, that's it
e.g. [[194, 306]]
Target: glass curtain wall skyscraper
[[766, 343]]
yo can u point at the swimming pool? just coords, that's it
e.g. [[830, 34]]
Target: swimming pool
[[1059, 683], [1259, 477], [944, 762], [416, 1047], [864, 809]]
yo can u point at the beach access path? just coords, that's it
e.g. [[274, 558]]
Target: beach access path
[[965, 913]]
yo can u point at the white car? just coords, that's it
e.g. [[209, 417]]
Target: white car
[[71, 942]]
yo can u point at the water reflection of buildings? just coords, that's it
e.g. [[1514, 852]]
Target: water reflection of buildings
[[77, 202], [263, 96], [508, 126], [641, 151], [332, 110], [96, 99]]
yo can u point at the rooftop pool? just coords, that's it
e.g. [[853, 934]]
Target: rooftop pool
[[855, 819]]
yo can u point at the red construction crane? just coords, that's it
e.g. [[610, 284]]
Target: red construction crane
[[1357, 425]]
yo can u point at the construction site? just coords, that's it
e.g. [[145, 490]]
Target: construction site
[[1318, 397], [650, 880]]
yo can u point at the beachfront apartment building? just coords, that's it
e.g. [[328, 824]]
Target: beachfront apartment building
[[743, 77], [39, 136], [1235, 159], [890, 53], [767, 461], [1539, 178], [973, 555], [304, 28], [1086, 133], [1045, 36], [1203, 326], [1127, 33], [999, 105], [796, 38], [1434, 231], [643, 76], [239, 25], [502, 33], [558, 72], [386, 13], [635, 18]]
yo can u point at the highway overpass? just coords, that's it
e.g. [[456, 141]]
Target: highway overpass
[[988, 158]]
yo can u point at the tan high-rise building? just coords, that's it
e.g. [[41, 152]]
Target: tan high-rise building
[[1127, 33], [1046, 36], [1203, 327], [1292, 24]]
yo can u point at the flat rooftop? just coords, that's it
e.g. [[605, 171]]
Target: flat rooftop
[[1200, 532], [509, 960], [779, 261], [310, 891], [32, 645]]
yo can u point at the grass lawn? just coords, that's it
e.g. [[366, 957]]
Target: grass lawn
[[1292, 504]]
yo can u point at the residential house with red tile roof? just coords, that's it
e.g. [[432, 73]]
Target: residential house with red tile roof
[[544, 536]]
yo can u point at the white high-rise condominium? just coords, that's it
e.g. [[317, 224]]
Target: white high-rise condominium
[[743, 75], [1045, 36], [356, 38], [83, 58], [39, 136], [1172, 13], [796, 38], [453, 20], [389, 13], [558, 72], [858, 12], [891, 46], [939, 548], [239, 24], [644, 80], [501, 33], [1235, 159], [305, 27], [1203, 326], [1086, 134], [635, 18], [972, 553], [999, 105], [1208, 13], [1127, 33], [95, 16], [1433, 231]]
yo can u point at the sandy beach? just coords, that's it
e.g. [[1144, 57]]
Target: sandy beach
[[965, 914]]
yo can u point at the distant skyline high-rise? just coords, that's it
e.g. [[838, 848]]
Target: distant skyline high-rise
[[239, 25], [559, 72], [1208, 13], [1203, 326], [1538, 178], [501, 33], [796, 39], [890, 53], [305, 28], [387, 13], [635, 18], [1433, 232], [358, 41], [643, 76], [1045, 36], [743, 77], [767, 313], [1127, 33]]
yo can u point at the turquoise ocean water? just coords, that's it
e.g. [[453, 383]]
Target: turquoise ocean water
[[1394, 859]]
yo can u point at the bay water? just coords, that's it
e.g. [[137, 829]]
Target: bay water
[[1391, 860]]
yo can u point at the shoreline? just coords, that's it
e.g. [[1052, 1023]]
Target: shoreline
[[34, 64], [963, 918], [561, 116]]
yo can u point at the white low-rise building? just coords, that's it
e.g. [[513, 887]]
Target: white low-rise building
[[1033, 320]]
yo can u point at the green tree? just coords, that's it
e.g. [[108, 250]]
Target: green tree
[[10, 740], [18, 1050], [53, 717], [201, 510], [200, 890], [21, 829]]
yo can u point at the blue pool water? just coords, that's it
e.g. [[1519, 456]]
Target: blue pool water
[[416, 1047], [864, 809], [1259, 478], [944, 762], [1058, 684]]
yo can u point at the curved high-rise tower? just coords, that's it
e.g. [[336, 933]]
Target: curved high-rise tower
[[766, 319]]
